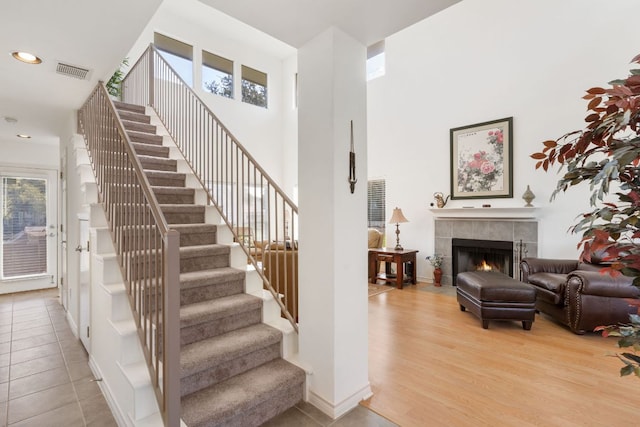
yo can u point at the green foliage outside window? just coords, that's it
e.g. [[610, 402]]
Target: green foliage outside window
[[253, 93]]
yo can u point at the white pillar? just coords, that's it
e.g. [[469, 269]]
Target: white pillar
[[333, 222]]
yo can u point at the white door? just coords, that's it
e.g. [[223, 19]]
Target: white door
[[29, 250], [84, 276]]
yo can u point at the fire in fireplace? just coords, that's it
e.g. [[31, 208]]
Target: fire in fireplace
[[481, 255]]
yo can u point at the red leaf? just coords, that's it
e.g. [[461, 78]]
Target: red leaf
[[550, 144], [592, 117], [596, 91], [545, 165], [538, 164], [595, 102], [538, 156]]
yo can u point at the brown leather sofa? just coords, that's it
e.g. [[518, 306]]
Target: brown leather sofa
[[577, 294]]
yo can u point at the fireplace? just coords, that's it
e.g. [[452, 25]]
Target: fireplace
[[481, 255], [523, 232]]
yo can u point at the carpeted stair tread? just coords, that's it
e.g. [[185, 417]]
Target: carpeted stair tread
[[207, 311], [139, 127], [221, 403], [150, 149], [174, 195], [216, 276], [134, 117], [165, 178], [195, 228], [196, 234], [204, 250], [129, 107], [145, 138], [214, 351], [158, 163], [165, 174], [177, 207]]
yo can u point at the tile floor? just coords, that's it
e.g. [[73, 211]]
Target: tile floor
[[45, 379], [306, 415]]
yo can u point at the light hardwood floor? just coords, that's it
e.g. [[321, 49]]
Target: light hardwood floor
[[432, 365]]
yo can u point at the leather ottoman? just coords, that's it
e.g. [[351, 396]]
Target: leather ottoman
[[491, 295]]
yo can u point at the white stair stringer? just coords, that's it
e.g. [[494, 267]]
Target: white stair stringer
[[116, 350]]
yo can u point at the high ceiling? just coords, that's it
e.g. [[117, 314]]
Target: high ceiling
[[297, 21], [96, 35]]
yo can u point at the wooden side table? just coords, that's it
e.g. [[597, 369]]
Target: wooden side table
[[389, 255]]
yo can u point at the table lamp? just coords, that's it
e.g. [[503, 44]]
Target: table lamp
[[396, 218]]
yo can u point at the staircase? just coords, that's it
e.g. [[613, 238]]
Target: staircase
[[231, 365]]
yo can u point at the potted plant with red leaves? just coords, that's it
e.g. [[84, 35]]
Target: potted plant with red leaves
[[606, 155]]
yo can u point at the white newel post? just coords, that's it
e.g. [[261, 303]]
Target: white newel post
[[333, 221]]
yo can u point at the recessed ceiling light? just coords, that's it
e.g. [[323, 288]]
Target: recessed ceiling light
[[22, 135], [27, 57]]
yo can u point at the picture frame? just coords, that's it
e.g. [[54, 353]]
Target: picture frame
[[482, 160]]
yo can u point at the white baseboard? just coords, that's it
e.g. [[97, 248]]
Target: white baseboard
[[340, 408], [120, 418], [72, 325]]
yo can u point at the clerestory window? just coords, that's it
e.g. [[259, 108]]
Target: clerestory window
[[178, 54], [217, 74], [254, 87]]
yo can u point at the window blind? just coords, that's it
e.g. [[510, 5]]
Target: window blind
[[376, 202], [254, 76], [24, 231], [173, 46], [217, 62]]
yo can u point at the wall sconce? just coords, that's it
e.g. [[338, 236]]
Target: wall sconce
[[396, 218]]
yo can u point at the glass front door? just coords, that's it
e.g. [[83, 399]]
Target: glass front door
[[29, 231]]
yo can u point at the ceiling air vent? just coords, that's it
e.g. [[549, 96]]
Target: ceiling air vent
[[72, 71]]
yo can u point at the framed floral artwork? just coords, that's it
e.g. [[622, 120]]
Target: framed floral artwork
[[481, 160]]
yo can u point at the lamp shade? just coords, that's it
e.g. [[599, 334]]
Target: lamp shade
[[397, 217]]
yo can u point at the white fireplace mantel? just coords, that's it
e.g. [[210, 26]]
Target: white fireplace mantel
[[470, 213]]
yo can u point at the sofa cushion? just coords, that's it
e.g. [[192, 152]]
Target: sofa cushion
[[553, 283]]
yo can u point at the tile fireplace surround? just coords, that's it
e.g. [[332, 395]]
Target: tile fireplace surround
[[508, 229]]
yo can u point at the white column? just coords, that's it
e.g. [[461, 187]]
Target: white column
[[333, 221]]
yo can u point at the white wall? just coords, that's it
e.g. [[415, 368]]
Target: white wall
[[486, 60], [259, 130], [25, 153]]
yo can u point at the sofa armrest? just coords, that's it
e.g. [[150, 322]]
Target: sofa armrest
[[602, 284], [544, 265]]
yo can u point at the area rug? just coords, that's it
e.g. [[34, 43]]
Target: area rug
[[448, 290], [379, 289]]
